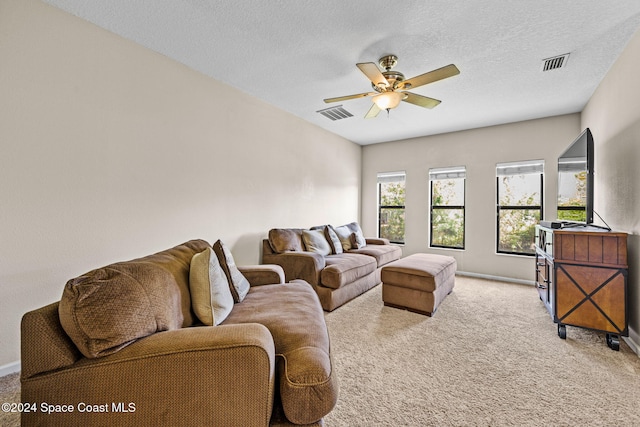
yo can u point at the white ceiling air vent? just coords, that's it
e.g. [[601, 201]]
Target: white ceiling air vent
[[335, 113], [555, 62]]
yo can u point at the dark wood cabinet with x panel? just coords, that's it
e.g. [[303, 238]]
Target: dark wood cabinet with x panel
[[581, 276]]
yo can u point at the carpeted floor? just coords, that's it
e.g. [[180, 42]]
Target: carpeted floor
[[490, 356], [9, 393]]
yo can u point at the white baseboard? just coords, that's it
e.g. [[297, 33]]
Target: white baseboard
[[498, 278], [10, 368]]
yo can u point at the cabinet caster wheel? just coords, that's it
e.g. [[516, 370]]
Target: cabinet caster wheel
[[562, 331], [613, 341]]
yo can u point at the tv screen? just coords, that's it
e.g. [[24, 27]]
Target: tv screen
[[575, 181]]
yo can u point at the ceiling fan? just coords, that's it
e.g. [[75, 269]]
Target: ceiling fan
[[389, 86]]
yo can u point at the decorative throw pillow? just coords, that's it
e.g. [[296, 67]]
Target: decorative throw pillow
[[357, 239], [344, 234], [211, 297], [108, 308], [285, 240], [332, 238], [315, 241], [237, 282]]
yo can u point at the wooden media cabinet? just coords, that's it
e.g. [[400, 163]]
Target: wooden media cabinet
[[581, 276]]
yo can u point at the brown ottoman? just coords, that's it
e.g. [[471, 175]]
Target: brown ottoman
[[418, 282]]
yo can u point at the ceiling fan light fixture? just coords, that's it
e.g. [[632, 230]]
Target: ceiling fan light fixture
[[389, 86], [388, 100]]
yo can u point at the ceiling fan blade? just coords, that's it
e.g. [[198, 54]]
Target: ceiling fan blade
[[345, 98], [373, 111], [430, 77], [421, 101], [373, 73]]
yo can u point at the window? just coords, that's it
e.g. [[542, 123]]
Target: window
[[519, 205], [391, 206], [447, 207]]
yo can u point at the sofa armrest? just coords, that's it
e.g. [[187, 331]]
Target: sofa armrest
[[220, 375], [298, 265], [44, 345], [377, 241], [266, 274]]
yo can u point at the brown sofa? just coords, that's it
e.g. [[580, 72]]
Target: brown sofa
[[338, 262], [124, 347]]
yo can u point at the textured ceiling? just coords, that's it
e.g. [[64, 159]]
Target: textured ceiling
[[292, 54]]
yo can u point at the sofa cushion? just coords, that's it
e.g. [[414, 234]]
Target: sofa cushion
[[333, 239], [315, 241], [357, 236], [346, 268], [285, 240], [293, 315], [331, 236], [344, 234], [237, 282], [176, 261], [210, 293], [108, 308], [384, 254]]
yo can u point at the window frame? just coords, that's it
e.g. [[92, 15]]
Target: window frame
[[456, 171], [402, 208], [540, 207]]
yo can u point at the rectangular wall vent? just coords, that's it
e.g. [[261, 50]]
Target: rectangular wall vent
[[555, 62], [335, 113]]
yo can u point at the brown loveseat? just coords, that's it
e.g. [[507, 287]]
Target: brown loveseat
[[124, 347], [339, 262]]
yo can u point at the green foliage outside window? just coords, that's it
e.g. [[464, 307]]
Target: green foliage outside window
[[517, 230], [447, 213], [392, 199], [447, 228], [519, 212]]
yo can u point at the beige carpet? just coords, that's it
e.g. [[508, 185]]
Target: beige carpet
[[9, 393], [489, 357]]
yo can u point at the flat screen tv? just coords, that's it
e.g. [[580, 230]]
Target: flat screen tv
[[575, 181]]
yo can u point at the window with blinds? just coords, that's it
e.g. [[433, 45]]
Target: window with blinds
[[519, 188], [391, 206], [447, 200]]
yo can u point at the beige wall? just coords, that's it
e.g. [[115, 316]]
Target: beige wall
[[110, 151], [613, 115], [479, 150]]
